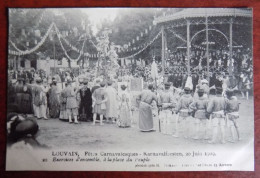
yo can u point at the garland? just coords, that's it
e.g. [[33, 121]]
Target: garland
[[21, 52], [181, 38], [59, 37], [148, 44]]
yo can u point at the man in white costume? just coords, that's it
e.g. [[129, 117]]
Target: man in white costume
[[111, 104]]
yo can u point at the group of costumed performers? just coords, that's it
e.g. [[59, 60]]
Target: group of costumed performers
[[187, 104]]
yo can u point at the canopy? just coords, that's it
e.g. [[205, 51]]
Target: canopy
[[204, 12]]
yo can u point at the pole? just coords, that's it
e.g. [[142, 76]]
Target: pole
[[163, 50], [230, 46], [207, 47], [188, 45], [54, 55]]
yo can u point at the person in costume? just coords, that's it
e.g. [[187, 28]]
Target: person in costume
[[199, 108], [216, 107], [145, 112], [39, 100], [182, 111], [63, 101], [96, 85], [111, 104], [54, 100], [167, 102], [26, 98], [71, 103], [124, 119], [85, 106], [18, 89], [45, 107], [99, 99], [232, 114]]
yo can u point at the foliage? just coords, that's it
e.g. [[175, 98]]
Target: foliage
[[23, 24]]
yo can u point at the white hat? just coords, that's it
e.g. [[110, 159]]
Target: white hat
[[204, 81]]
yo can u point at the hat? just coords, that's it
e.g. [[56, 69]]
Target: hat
[[81, 80], [229, 92], [186, 89], [38, 80], [204, 81], [110, 82], [103, 83], [97, 80], [200, 90], [123, 87], [150, 86], [85, 81], [167, 85], [13, 81], [54, 81]]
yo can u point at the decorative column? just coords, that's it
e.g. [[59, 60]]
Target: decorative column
[[188, 45]]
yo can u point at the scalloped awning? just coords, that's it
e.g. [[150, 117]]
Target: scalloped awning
[[205, 12]]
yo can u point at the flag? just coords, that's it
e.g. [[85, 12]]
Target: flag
[[189, 82], [154, 71]]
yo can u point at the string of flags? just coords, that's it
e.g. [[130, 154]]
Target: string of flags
[[19, 52], [126, 47], [24, 52], [148, 44], [65, 52], [80, 51]]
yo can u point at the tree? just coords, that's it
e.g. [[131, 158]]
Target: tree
[[28, 26]]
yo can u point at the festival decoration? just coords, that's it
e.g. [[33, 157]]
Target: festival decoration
[[148, 44], [65, 52], [24, 52]]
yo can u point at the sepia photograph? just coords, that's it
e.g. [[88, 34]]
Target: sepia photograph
[[130, 89]]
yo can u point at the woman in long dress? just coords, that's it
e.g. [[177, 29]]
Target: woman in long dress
[[63, 101], [18, 89], [99, 99], [54, 100], [26, 101], [124, 119], [145, 109]]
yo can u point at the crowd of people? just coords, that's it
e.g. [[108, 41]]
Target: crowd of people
[[79, 98], [101, 100], [202, 103]]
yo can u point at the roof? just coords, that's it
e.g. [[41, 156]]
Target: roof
[[205, 12]]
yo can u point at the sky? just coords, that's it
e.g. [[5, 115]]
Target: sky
[[98, 14]]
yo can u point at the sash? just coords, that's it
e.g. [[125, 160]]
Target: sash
[[218, 114]]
